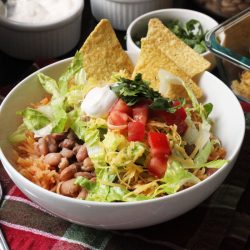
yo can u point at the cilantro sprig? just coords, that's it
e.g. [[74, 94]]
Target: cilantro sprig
[[134, 91]]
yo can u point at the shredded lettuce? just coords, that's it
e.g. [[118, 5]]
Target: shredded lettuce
[[60, 119], [121, 194], [192, 133], [203, 154], [18, 135], [43, 131], [214, 164], [114, 141], [49, 84], [128, 154], [175, 177], [116, 194], [102, 189], [80, 77], [74, 67], [166, 79], [33, 119], [89, 131], [86, 183]]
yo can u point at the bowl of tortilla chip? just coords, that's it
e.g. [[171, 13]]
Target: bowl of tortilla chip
[[95, 64], [179, 27]]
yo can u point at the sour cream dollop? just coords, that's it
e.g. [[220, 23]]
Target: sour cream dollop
[[98, 101], [39, 11]]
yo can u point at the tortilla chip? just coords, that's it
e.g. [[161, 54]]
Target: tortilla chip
[[151, 60], [103, 54], [185, 57]]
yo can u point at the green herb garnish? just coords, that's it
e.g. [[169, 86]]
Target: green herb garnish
[[134, 91]]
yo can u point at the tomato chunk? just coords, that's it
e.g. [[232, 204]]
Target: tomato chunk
[[182, 127], [171, 118], [118, 118], [121, 106], [140, 113], [158, 143], [158, 165], [136, 131]]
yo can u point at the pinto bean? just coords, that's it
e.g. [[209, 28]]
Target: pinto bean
[[83, 194], [68, 172], [88, 168], [71, 136], [43, 146], [76, 148], [65, 152], [82, 153], [86, 175], [63, 163], [67, 143], [51, 142], [53, 159], [58, 187], [59, 136], [88, 165], [69, 188]]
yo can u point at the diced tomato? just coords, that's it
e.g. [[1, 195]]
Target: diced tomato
[[164, 116], [136, 131], [182, 127], [121, 106], [158, 143], [118, 118], [171, 118], [140, 113], [175, 118], [158, 165], [180, 114]]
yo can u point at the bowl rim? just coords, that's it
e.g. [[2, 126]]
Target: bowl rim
[[22, 26], [118, 204], [168, 10]]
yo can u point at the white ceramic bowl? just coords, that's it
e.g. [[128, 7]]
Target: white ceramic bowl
[[227, 115], [41, 41], [138, 28], [122, 12]]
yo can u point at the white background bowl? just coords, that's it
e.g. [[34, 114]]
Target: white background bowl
[[131, 214], [138, 28], [41, 41], [122, 12]]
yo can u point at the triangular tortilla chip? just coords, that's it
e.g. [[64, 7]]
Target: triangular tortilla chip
[[185, 57], [103, 54], [151, 60]]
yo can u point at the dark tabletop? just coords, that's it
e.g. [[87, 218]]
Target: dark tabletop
[[221, 222]]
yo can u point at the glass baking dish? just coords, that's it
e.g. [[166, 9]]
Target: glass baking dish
[[230, 41]]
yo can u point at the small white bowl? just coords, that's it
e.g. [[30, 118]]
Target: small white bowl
[[41, 41], [122, 12], [138, 28], [123, 215]]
